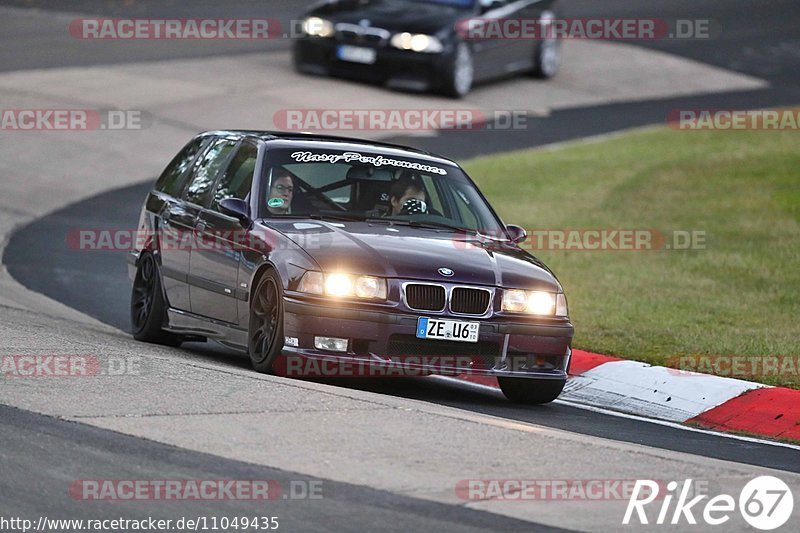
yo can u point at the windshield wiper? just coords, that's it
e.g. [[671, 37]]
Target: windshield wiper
[[437, 225], [344, 215]]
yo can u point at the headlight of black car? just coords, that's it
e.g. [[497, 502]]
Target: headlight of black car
[[541, 303], [417, 42], [339, 285], [318, 27]]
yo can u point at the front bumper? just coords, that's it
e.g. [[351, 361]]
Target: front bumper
[[400, 69], [380, 339]]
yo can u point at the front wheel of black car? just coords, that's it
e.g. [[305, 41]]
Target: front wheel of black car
[[265, 332], [459, 73], [531, 391], [547, 52], [148, 309]]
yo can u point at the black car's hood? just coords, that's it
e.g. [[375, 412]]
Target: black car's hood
[[393, 15], [400, 251]]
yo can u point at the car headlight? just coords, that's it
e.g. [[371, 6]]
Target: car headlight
[[318, 27], [339, 285], [540, 303], [417, 42]]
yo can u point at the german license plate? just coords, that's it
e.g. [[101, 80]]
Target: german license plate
[[448, 330], [356, 54]]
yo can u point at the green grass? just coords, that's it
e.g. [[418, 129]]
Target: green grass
[[738, 296]]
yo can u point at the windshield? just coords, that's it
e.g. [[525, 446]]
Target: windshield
[[334, 185]]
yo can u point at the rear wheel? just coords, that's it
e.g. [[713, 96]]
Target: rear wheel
[[265, 332], [531, 391], [148, 309]]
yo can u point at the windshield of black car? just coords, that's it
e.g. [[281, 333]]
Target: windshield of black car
[[370, 186]]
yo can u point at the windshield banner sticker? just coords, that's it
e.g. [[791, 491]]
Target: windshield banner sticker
[[349, 157]]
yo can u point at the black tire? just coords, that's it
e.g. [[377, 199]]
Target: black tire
[[148, 309], [265, 331], [546, 54], [459, 74], [531, 391]]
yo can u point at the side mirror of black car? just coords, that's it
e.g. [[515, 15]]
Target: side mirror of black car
[[236, 208], [516, 233]]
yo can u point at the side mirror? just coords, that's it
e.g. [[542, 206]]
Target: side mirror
[[236, 208], [517, 234]]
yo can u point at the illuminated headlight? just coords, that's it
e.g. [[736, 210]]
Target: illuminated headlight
[[535, 302], [317, 27], [339, 285], [417, 42]]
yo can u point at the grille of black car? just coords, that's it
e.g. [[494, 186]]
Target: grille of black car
[[351, 34], [425, 297], [468, 301], [483, 353]]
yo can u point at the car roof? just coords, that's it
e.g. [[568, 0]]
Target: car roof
[[320, 141]]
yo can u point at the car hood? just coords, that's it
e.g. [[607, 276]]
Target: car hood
[[393, 15], [401, 251]]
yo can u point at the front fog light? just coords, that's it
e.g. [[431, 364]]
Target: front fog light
[[331, 344]]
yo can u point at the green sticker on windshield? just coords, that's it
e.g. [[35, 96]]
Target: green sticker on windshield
[[276, 202]]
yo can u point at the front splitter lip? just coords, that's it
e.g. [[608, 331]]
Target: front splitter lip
[[300, 363]]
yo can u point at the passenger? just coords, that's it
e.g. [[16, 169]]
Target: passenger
[[407, 196]]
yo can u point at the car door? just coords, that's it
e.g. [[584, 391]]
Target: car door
[[214, 263], [172, 224], [499, 53], [196, 196]]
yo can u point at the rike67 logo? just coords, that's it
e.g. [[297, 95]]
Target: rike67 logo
[[765, 503]]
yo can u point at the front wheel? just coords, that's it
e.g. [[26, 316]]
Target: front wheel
[[148, 308], [531, 391], [460, 73], [265, 332], [547, 52]]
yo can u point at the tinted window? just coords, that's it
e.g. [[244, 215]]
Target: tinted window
[[238, 177], [392, 187], [173, 178], [206, 170]]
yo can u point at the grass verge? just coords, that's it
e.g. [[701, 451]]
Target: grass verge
[[737, 296]]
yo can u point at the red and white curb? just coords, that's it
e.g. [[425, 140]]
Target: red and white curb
[[711, 402]]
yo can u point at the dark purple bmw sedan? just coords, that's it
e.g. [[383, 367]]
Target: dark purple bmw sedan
[[299, 248]]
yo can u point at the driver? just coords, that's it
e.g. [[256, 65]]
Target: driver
[[407, 197], [279, 201]]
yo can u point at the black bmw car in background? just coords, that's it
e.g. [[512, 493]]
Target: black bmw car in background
[[423, 45]]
